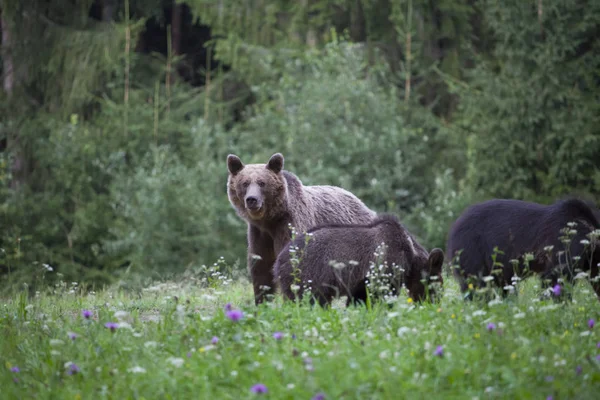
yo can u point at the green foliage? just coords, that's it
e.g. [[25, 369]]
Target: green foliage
[[420, 108], [531, 111]]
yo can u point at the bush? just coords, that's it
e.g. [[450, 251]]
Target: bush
[[172, 215], [338, 125]]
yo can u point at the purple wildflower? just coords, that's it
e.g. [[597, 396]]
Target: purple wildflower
[[598, 345], [591, 323], [491, 326], [598, 357], [87, 314], [112, 326], [16, 370], [235, 315], [307, 360], [228, 307], [259, 388], [439, 351], [556, 290], [278, 335], [214, 340], [549, 398], [578, 370], [72, 369], [319, 396], [549, 378], [189, 354], [294, 336], [72, 335]]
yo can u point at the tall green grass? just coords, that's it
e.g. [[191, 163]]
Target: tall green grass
[[174, 340]]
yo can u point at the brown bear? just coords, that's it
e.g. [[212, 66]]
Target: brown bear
[[518, 227], [271, 199], [342, 259]]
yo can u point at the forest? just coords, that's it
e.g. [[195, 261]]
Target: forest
[[117, 116]]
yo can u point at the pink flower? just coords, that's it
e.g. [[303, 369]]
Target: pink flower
[[112, 326], [259, 388], [235, 315], [72, 369]]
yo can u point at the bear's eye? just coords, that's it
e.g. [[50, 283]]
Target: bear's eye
[[261, 184], [245, 184]]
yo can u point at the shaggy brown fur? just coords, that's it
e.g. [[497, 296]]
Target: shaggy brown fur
[[518, 227], [358, 243], [269, 198]]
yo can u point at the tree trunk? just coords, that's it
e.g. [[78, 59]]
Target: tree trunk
[[358, 31], [108, 10], [173, 49], [17, 166], [8, 76], [176, 28]]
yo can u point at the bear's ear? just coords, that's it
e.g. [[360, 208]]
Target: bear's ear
[[436, 261], [234, 164], [275, 163]]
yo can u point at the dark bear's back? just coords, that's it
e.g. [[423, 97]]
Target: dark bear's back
[[486, 225], [515, 227]]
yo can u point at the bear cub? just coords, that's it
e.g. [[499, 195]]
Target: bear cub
[[321, 250]]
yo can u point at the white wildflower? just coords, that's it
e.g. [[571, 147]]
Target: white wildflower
[[495, 302], [121, 315], [403, 330], [581, 275], [175, 361]]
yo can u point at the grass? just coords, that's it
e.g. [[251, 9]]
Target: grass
[[163, 348]]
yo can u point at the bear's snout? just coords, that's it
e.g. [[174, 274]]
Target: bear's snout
[[253, 203]]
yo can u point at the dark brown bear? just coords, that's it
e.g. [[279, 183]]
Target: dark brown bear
[[517, 227], [270, 199], [405, 261]]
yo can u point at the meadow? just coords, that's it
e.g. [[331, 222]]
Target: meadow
[[205, 338]]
